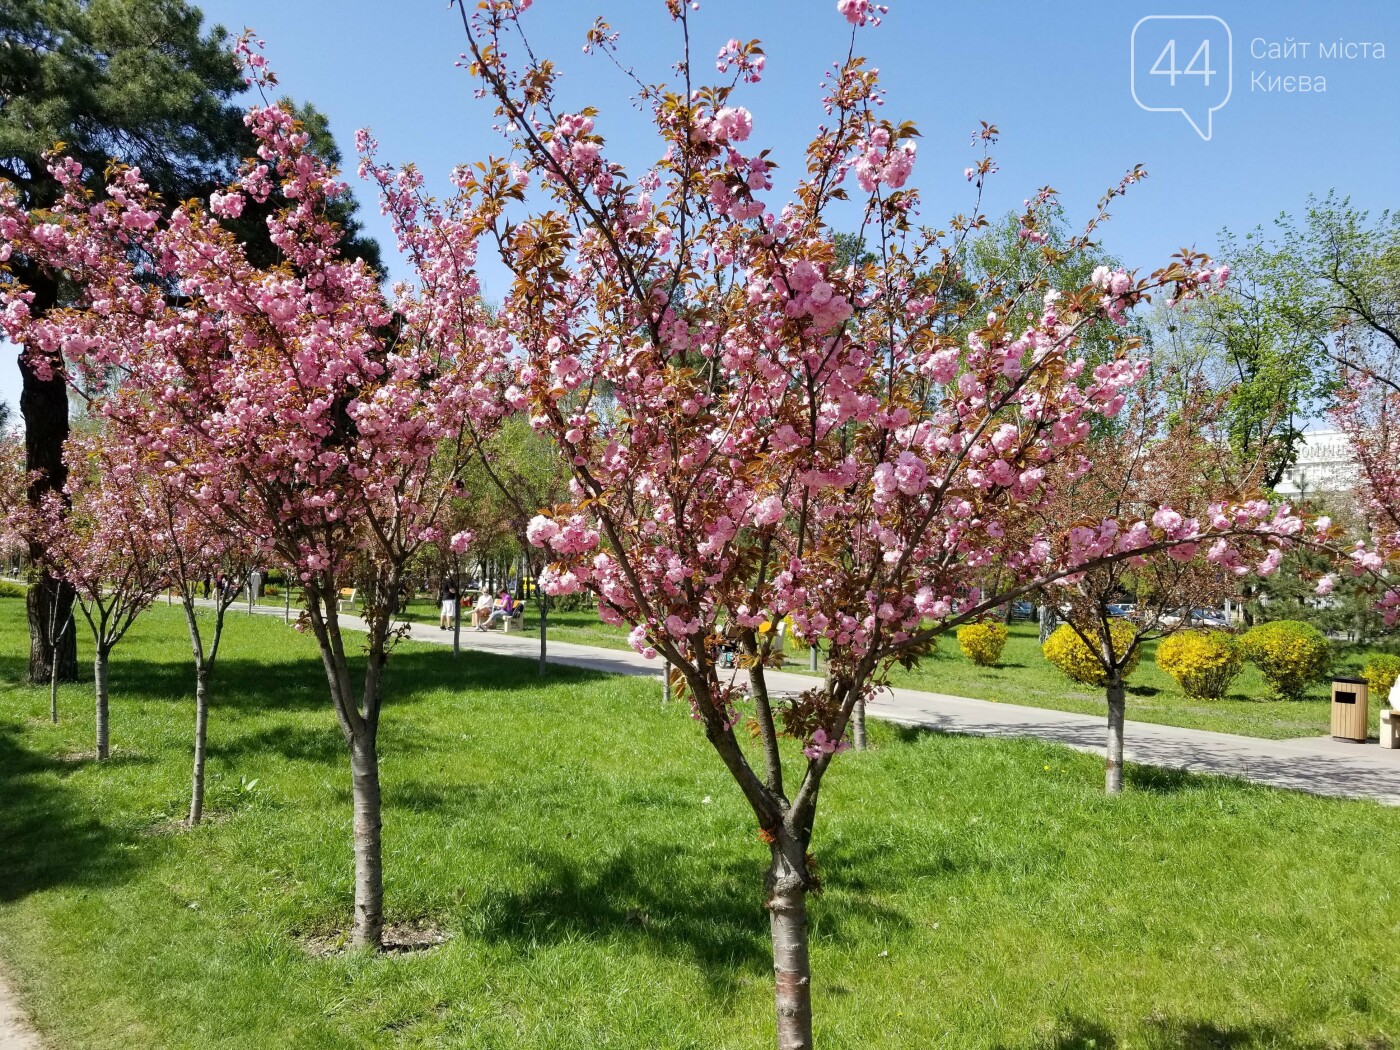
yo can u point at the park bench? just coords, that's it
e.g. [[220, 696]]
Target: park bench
[[1390, 728], [347, 598], [515, 620]]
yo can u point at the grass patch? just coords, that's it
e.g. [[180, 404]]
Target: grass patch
[[596, 876]]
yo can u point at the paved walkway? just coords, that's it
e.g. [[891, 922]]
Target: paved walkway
[[1319, 765], [15, 1033]]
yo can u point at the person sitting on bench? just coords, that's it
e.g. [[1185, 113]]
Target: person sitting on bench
[[482, 611], [504, 611]]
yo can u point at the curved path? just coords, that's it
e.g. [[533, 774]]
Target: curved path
[[1319, 765]]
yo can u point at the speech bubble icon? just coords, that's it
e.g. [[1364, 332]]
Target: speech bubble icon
[[1183, 64]]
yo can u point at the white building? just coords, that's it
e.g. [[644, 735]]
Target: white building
[[1324, 464]]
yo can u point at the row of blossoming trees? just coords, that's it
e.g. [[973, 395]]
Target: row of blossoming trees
[[753, 431]]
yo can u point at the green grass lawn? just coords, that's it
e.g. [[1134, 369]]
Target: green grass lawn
[[598, 876]]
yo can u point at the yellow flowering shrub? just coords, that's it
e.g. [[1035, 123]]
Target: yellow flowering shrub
[[1289, 653], [1067, 651], [1381, 672], [982, 643], [1204, 663]]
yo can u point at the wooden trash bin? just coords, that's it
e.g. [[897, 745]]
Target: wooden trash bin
[[1350, 709]]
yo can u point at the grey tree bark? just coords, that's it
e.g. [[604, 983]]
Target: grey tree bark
[[369, 868], [99, 679], [786, 893], [201, 732], [1113, 763], [858, 740], [543, 603], [53, 671]]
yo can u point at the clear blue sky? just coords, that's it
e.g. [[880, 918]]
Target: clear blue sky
[[1054, 77]]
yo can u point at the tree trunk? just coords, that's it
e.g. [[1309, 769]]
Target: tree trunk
[[1047, 622], [53, 693], [44, 406], [49, 601], [201, 727], [1113, 764], [792, 972], [812, 656], [99, 680], [53, 674], [369, 869], [858, 740], [544, 637]]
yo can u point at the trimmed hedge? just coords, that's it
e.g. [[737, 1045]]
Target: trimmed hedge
[[1381, 672], [1204, 663], [982, 643], [1067, 651], [1290, 654]]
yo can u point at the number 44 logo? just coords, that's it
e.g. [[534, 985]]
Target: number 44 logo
[[1199, 66], [1162, 84]]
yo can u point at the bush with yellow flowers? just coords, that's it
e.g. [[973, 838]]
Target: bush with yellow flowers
[[1381, 672], [1067, 651], [982, 643], [1204, 663], [1290, 654]]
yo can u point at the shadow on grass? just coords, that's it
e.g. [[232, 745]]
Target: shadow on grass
[[1182, 1034], [294, 743], [1074, 1033], [1160, 781], [1079, 1033], [48, 836], [255, 685], [669, 906], [14, 668]]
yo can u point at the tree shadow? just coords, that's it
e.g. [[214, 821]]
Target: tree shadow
[[14, 668], [48, 836], [654, 901], [297, 685], [1190, 1034], [1159, 780], [295, 743], [1074, 1033], [1173, 1033]]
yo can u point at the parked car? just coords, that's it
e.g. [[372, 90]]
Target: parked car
[[1212, 619], [1209, 619], [1123, 610], [1022, 610]]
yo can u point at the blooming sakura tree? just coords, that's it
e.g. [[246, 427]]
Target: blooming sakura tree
[[1369, 414], [300, 404], [105, 543], [756, 432], [200, 545], [1170, 471]]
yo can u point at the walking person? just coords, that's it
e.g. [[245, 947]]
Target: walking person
[[447, 610]]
